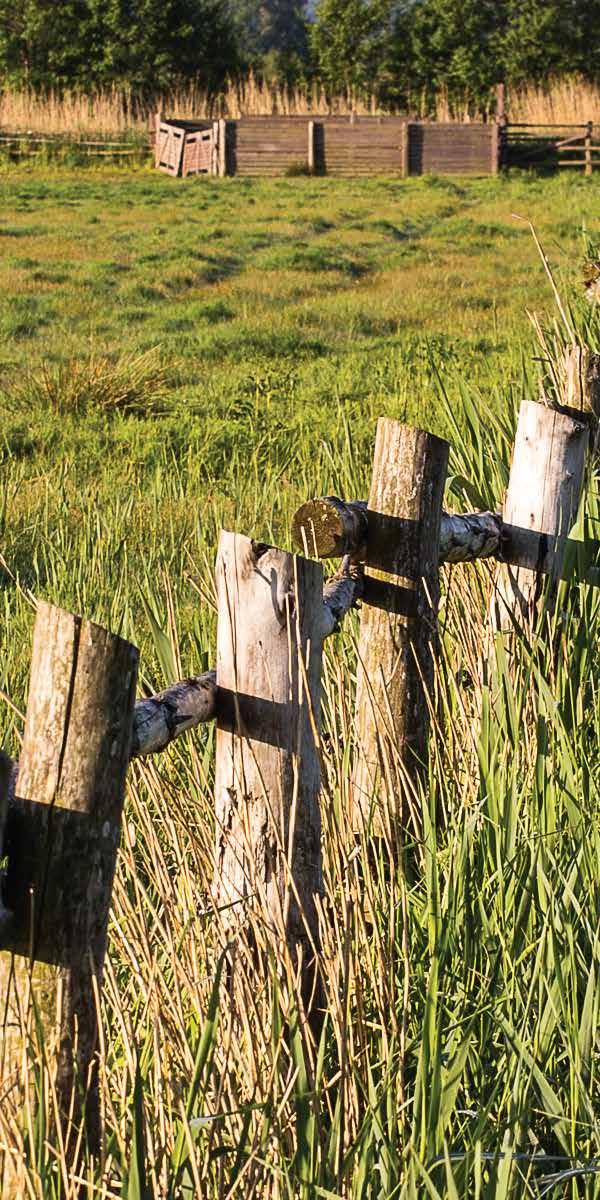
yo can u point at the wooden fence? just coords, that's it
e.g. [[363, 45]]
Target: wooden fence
[[344, 146], [60, 806], [551, 147], [19, 144]]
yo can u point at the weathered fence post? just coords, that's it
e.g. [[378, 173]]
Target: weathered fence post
[[589, 135], [62, 838], [544, 489], [268, 848], [405, 150], [398, 628], [214, 158], [310, 158], [222, 154], [158, 116], [580, 386]]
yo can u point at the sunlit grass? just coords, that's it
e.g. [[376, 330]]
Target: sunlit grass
[[460, 1055]]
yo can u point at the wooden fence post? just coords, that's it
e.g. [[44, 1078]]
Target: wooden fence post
[[214, 158], [544, 489], [311, 147], [405, 150], [158, 116], [398, 628], [222, 158], [495, 142], [268, 847], [62, 838], [589, 134]]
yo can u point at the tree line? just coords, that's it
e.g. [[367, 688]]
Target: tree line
[[392, 49]]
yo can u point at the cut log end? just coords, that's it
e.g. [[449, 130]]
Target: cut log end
[[330, 528]]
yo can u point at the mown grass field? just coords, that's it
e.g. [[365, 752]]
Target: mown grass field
[[181, 355]]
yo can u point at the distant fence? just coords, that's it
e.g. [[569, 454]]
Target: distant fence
[[551, 147], [16, 145], [348, 146], [61, 806], [344, 146]]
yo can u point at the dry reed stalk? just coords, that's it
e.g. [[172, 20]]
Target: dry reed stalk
[[569, 101]]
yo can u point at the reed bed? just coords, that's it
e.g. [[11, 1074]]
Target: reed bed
[[118, 111]]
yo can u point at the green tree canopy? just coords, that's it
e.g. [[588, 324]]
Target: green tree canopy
[[146, 44], [350, 42]]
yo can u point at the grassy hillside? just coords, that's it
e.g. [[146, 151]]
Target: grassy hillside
[[212, 337], [181, 355]]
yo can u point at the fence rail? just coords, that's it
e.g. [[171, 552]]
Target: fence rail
[[546, 147], [60, 806]]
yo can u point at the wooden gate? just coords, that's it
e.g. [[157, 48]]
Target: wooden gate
[[169, 146], [198, 153], [185, 147]]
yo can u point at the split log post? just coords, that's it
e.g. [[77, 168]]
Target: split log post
[[544, 490], [62, 840], [268, 829], [580, 385], [398, 628]]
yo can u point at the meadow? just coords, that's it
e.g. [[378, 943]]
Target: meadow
[[181, 355]]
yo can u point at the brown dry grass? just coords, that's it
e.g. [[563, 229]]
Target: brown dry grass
[[568, 101], [564, 101]]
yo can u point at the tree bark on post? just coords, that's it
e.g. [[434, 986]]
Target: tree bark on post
[[544, 490], [268, 835], [62, 838], [398, 628]]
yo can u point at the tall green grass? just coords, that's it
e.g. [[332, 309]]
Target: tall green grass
[[459, 1055]]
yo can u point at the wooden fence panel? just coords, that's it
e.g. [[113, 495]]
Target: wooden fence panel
[[368, 146], [269, 146], [450, 149]]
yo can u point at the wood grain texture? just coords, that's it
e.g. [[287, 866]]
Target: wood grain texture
[[398, 628], [545, 484], [64, 841], [268, 839]]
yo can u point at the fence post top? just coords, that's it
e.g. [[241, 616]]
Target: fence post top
[[47, 612]]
